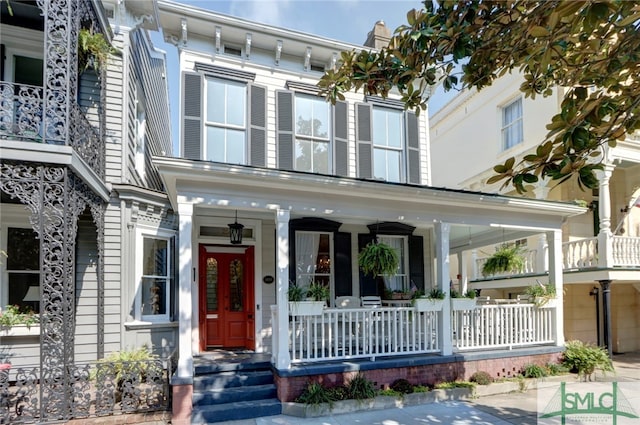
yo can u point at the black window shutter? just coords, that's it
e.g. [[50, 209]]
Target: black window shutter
[[341, 138], [284, 129], [416, 261], [342, 271], [257, 125], [413, 149], [192, 115], [368, 284], [364, 140]]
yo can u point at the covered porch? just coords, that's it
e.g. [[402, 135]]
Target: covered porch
[[274, 203]]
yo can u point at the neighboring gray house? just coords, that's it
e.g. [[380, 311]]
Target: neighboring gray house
[[81, 203]]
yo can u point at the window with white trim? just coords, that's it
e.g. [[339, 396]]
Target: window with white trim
[[312, 146], [400, 280], [512, 133], [388, 144], [225, 121], [153, 276], [313, 251], [22, 268]]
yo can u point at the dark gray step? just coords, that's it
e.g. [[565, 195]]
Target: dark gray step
[[235, 411], [232, 379], [235, 394], [213, 367]]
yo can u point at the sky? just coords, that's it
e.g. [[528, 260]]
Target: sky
[[347, 20]]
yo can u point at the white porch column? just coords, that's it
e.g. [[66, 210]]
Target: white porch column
[[185, 296], [605, 242], [554, 239], [541, 257], [442, 231], [475, 273], [462, 271], [282, 357]]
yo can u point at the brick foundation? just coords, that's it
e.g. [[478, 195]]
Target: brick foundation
[[182, 404], [290, 387]]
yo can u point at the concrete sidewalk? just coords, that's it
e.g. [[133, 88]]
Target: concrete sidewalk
[[501, 409]]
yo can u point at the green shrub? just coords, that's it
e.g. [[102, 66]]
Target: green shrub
[[421, 389], [390, 393], [481, 378], [556, 369], [128, 364], [455, 384], [338, 393], [402, 386], [586, 358], [315, 394], [360, 388], [534, 371]]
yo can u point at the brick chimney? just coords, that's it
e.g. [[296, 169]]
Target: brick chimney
[[379, 36]]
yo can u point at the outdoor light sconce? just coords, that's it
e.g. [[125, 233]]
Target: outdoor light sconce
[[235, 231]]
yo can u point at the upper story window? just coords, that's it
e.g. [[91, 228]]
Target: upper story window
[[225, 121], [312, 141], [388, 144], [512, 124], [387, 141]]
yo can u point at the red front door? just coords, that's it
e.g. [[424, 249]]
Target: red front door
[[226, 297]]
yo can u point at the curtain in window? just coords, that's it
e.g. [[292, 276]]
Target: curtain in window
[[512, 124], [306, 255]]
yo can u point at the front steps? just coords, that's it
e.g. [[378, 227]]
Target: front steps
[[230, 390]]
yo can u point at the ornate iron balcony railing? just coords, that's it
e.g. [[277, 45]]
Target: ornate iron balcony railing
[[21, 118]]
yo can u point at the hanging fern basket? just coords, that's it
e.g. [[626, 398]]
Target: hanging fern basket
[[378, 259]]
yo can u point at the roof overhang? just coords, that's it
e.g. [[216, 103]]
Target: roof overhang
[[215, 185]]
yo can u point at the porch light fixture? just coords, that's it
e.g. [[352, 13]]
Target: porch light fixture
[[235, 231]]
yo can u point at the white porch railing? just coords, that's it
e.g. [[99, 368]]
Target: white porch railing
[[581, 253], [362, 333], [626, 251], [502, 325]]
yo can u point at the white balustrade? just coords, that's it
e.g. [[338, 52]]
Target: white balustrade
[[362, 333], [626, 251], [580, 253], [502, 326]]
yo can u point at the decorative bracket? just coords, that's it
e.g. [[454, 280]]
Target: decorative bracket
[[218, 41], [183, 27], [247, 46], [307, 59], [278, 51]]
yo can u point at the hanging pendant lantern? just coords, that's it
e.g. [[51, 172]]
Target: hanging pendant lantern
[[235, 231]]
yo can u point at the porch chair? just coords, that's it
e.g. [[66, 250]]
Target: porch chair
[[371, 301], [347, 302]]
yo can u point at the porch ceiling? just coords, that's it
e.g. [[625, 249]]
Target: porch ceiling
[[473, 215]]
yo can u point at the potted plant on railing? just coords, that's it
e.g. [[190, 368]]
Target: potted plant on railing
[[93, 50], [299, 305], [542, 295], [17, 321], [433, 301], [466, 301], [506, 259]]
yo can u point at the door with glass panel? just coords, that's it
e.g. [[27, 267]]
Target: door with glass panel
[[226, 298]]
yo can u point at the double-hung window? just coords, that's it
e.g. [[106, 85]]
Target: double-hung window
[[388, 142], [313, 258], [226, 126], [22, 262], [400, 280], [512, 124], [312, 147], [154, 271]]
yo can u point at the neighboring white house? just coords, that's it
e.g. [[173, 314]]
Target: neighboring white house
[[477, 130]]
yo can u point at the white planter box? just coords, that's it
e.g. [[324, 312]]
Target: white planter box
[[463, 304], [20, 330], [428, 304], [542, 302], [306, 308]]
